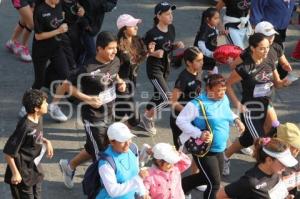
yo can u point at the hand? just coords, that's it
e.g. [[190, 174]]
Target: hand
[[81, 12], [240, 126], [94, 101], [143, 173], [179, 44], [242, 108], [16, 178], [49, 149], [290, 196], [122, 87], [224, 32], [63, 28], [158, 53], [205, 136], [151, 47], [286, 82]]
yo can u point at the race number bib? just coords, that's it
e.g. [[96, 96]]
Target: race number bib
[[108, 95], [262, 90], [279, 191]]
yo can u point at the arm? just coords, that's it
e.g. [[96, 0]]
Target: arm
[[47, 35], [121, 84], [221, 194], [206, 52], [16, 176], [279, 83], [175, 96], [115, 189], [285, 63], [220, 5], [184, 119], [233, 79], [184, 162], [49, 148]]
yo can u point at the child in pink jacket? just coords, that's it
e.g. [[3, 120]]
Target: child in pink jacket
[[164, 180]]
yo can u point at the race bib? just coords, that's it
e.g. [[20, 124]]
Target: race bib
[[262, 90], [291, 181], [108, 95], [279, 191]]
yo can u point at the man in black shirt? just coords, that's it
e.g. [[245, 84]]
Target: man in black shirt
[[97, 82], [23, 150]]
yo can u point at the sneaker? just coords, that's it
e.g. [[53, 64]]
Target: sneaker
[[68, 174], [148, 125], [144, 156], [247, 151], [25, 54], [56, 113], [22, 112], [226, 168], [13, 46], [189, 196], [201, 188]]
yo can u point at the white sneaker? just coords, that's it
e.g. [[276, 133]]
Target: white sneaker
[[144, 156], [201, 188], [148, 125], [25, 54], [226, 168], [13, 46], [247, 151], [68, 174], [56, 113], [22, 112], [188, 196]]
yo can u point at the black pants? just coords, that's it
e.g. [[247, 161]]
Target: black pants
[[58, 61], [175, 131], [161, 96], [96, 138], [254, 121], [210, 168], [22, 191], [280, 38]]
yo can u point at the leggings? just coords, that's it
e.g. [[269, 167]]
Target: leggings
[[175, 131], [210, 167], [161, 96], [57, 60]]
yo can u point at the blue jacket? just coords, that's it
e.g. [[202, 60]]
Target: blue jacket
[[277, 12], [219, 116]]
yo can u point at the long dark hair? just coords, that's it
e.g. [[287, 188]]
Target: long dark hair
[[206, 16]]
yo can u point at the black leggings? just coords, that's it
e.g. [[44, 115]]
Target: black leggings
[[210, 168], [161, 95], [22, 191], [58, 61], [175, 131]]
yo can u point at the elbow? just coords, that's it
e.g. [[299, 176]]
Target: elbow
[[38, 37]]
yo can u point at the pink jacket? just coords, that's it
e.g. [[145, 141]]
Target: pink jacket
[[167, 185]]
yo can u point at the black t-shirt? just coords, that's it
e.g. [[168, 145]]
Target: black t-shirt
[[257, 80], [237, 9], [98, 79], [255, 184], [209, 35], [47, 19], [164, 41], [189, 85], [24, 145]]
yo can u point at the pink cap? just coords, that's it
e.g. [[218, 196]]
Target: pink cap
[[127, 20]]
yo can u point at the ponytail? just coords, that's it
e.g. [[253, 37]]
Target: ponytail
[[155, 21]]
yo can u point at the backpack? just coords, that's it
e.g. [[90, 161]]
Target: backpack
[[91, 183]]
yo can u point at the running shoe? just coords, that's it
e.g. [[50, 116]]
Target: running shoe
[[56, 113], [68, 174], [148, 124]]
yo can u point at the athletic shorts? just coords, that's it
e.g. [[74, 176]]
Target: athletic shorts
[[22, 3]]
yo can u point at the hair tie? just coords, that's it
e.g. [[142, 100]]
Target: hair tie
[[266, 141]]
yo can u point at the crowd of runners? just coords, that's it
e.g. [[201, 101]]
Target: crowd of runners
[[96, 70]]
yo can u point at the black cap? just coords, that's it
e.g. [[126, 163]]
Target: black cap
[[163, 7]]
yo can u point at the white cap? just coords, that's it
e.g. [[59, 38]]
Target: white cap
[[284, 157], [166, 152], [127, 20], [119, 131], [265, 28]]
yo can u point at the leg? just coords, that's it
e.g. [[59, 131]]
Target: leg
[[22, 191], [79, 159], [40, 65], [175, 131], [37, 190], [26, 15], [270, 118]]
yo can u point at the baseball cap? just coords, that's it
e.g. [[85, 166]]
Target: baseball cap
[[166, 152], [127, 20], [284, 157], [119, 131], [265, 28], [163, 7], [289, 133]]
